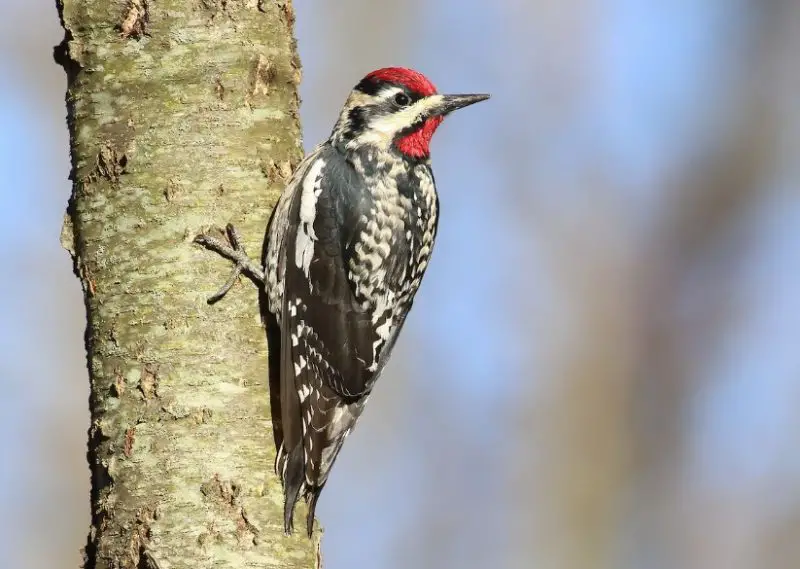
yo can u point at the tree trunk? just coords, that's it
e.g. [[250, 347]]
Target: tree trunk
[[183, 115]]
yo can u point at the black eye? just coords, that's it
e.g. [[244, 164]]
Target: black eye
[[401, 99]]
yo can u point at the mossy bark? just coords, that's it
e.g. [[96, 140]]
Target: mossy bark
[[183, 115]]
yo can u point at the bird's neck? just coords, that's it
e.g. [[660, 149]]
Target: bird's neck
[[371, 161]]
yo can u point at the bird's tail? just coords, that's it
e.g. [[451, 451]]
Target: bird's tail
[[312, 495], [291, 470]]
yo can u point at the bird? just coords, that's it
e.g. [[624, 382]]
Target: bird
[[345, 251]]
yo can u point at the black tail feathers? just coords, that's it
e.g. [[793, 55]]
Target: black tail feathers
[[293, 483], [312, 496], [293, 476]]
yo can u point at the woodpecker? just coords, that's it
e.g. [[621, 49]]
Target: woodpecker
[[345, 251]]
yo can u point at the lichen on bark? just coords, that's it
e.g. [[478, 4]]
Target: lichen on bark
[[183, 116]]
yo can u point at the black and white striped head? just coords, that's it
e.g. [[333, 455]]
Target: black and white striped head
[[395, 109]]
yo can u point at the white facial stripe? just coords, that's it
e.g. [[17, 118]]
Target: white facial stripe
[[389, 92], [383, 129], [412, 113]]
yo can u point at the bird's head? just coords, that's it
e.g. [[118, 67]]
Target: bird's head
[[396, 108]]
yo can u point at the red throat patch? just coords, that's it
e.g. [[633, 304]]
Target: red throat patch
[[417, 144]]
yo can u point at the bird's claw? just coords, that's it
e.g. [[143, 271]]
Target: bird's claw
[[234, 251]]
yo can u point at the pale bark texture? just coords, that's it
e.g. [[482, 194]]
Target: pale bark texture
[[183, 116]]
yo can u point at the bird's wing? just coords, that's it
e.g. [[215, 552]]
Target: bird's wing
[[336, 328], [328, 338]]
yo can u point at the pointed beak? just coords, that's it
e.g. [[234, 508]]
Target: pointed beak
[[450, 103]]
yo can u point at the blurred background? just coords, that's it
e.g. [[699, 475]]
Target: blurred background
[[602, 369]]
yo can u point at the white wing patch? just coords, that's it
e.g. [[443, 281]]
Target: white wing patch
[[384, 308], [279, 234], [312, 187]]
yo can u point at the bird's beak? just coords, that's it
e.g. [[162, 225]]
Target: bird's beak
[[449, 103]]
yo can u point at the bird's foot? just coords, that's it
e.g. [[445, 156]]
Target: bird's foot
[[232, 250]]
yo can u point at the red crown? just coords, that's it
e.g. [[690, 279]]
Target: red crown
[[414, 80]]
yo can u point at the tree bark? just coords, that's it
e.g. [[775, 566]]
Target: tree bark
[[183, 116]]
